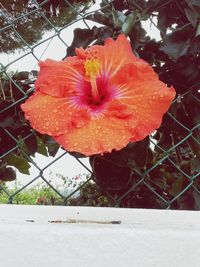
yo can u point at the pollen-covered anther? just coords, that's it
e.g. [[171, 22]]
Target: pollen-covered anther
[[92, 67]]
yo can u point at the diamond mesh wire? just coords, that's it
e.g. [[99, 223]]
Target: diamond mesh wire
[[16, 29]]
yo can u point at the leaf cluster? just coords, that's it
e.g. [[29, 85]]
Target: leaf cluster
[[18, 141], [162, 171]]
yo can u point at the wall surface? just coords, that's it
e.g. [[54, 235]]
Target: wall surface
[[32, 236]]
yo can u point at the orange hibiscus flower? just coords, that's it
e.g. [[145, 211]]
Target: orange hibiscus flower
[[99, 100]]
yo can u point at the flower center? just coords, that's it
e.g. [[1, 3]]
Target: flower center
[[106, 92], [92, 68]]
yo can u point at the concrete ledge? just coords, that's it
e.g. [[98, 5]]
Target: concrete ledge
[[81, 236]]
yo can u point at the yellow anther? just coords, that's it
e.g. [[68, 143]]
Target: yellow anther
[[92, 67]]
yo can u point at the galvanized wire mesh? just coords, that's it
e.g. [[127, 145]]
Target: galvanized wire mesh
[[38, 10]]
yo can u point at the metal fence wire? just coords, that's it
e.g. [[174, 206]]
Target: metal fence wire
[[161, 171]]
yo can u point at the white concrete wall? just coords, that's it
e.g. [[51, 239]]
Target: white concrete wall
[[85, 237]]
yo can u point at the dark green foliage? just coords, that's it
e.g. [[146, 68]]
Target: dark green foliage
[[142, 175]]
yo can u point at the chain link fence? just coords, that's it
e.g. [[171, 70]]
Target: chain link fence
[[161, 171]]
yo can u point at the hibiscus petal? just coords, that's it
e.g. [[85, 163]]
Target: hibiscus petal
[[50, 115], [113, 55], [98, 136], [116, 54], [143, 92], [119, 110], [61, 78]]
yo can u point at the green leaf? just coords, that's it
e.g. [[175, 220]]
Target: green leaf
[[6, 121], [176, 44], [118, 18], [195, 165], [52, 146], [109, 176], [133, 155], [17, 161], [129, 22], [137, 36], [77, 155], [162, 20], [196, 197], [101, 18], [191, 16], [53, 149], [197, 30], [7, 174], [82, 38], [193, 2], [31, 145], [22, 75], [177, 186], [41, 148], [186, 201]]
